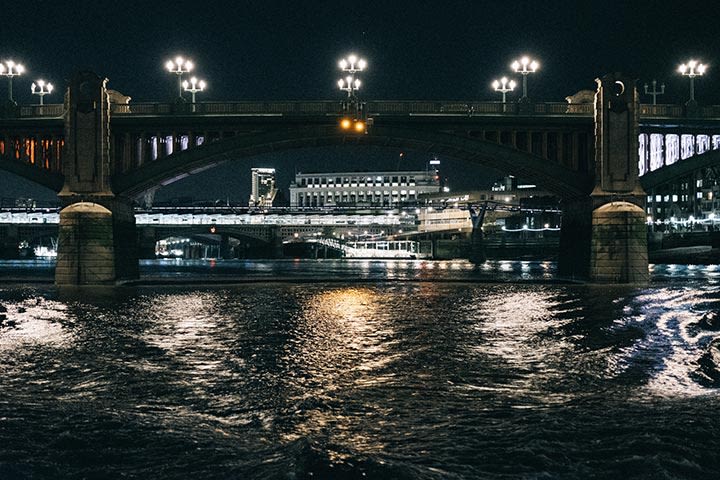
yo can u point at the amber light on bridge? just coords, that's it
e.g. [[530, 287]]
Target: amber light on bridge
[[356, 125]]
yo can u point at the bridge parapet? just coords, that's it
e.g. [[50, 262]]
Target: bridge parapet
[[375, 107]]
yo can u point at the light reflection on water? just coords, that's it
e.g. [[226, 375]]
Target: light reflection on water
[[344, 379]]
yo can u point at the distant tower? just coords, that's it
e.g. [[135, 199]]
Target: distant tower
[[263, 187]]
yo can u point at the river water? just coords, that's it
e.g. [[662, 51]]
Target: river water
[[366, 369]]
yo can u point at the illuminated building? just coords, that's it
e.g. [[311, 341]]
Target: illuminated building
[[263, 189], [362, 189]]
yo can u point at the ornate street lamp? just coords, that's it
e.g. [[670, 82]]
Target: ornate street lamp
[[655, 92], [352, 64], [349, 85], [41, 88], [691, 70], [524, 67], [194, 86], [504, 86], [179, 66], [11, 69]]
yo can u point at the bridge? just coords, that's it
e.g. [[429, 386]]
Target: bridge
[[91, 150]]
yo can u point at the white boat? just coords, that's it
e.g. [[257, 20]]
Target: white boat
[[384, 249]]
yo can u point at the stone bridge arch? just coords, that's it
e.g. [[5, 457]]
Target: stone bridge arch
[[552, 177], [258, 235], [51, 180]]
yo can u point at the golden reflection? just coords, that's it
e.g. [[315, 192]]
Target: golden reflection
[[345, 343]]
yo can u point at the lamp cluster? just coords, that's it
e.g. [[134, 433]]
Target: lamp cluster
[[524, 67], [350, 84], [350, 66], [180, 66], [692, 69]]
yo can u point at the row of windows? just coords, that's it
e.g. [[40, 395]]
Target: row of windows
[[323, 200], [361, 180], [707, 195]]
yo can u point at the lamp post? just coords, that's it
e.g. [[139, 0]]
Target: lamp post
[[691, 70], [655, 92], [179, 66], [524, 67], [194, 86], [11, 69], [349, 85], [352, 64], [504, 86], [41, 88]]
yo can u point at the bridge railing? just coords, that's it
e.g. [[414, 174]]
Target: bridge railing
[[230, 108], [34, 111], [336, 108], [373, 108]]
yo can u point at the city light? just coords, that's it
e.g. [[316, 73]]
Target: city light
[[524, 67], [357, 125], [11, 69], [194, 86], [504, 86], [179, 66], [692, 69], [349, 85], [352, 64], [41, 88]]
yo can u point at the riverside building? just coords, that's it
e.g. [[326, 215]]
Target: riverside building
[[362, 189], [263, 189]]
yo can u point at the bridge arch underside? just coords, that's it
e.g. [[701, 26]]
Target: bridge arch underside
[[550, 176], [679, 170], [230, 241], [51, 180], [253, 234]]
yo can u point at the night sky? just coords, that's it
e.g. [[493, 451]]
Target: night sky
[[274, 50]]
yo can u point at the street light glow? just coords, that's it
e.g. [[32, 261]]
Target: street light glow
[[692, 69], [504, 86], [352, 64], [41, 88], [193, 86], [179, 66], [524, 67], [11, 69]]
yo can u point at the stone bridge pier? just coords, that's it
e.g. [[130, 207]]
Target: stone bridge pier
[[97, 240], [604, 237]]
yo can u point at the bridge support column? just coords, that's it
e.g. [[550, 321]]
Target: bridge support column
[[277, 242], [226, 252], [97, 243], [147, 242], [477, 244], [575, 238], [619, 244], [9, 241], [97, 240], [619, 234]]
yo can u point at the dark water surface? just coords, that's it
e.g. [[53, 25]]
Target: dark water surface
[[448, 378]]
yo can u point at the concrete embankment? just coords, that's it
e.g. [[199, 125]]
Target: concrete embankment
[[699, 255]]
